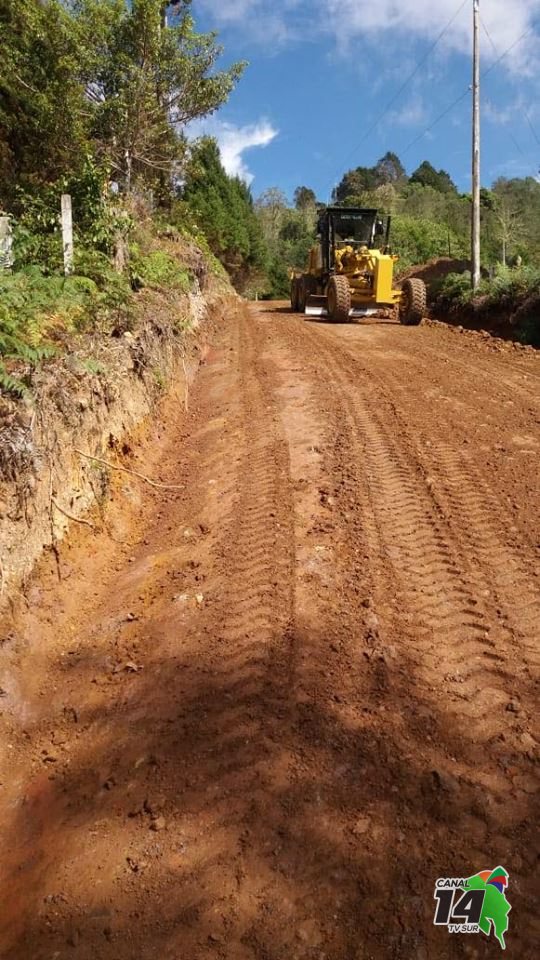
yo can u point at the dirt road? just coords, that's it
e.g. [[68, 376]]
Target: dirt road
[[258, 716]]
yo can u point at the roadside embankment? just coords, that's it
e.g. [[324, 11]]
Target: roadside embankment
[[62, 441], [506, 306]]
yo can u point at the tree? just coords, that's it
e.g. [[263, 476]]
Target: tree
[[427, 176], [385, 198], [304, 198], [509, 226], [417, 240], [271, 209], [289, 234], [389, 169], [509, 213], [43, 131], [224, 211], [145, 80], [354, 183]]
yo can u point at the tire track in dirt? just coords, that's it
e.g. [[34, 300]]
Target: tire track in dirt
[[316, 685], [440, 580], [478, 518], [476, 372], [431, 599]]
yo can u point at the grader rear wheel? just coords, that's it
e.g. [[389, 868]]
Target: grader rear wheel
[[294, 294], [339, 299], [302, 294], [413, 304]]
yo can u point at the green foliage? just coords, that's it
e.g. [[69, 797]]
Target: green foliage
[[24, 300], [304, 198], [90, 85], [288, 234], [222, 207], [455, 289], [43, 110], [93, 367], [157, 269], [427, 176], [510, 293], [354, 183], [417, 240], [37, 236], [113, 288], [146, 79], [279, 284], [98, 222], [37, 310], [94, 95], [510, 285], [389, 169]]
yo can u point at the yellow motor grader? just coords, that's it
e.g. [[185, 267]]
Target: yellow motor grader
[[350, 272]]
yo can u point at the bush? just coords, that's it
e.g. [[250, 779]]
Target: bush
[[513, 294], [113, 287], [511, 284], [98, 219], [455, 289], [37, 311], [157, 269], [417, 240]]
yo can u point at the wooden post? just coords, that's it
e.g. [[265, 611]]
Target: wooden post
[[475, 240], [6, 244], [67, 233]]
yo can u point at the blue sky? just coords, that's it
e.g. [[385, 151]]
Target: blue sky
[[321, 73]]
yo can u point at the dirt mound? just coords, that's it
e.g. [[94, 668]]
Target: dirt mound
[[435, 270]]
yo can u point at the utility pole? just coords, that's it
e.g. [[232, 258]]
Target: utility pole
[[475, 239]]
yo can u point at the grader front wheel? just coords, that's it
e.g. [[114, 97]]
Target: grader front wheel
[[413, 304], [339, 299]]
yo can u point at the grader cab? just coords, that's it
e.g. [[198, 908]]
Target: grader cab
[[350, 272]]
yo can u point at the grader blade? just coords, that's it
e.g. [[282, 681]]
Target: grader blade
[[365, 312], [316, 306]]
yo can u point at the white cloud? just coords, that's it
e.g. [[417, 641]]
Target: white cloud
[[505, 22], [233, 141], [401, 21], [411, 114], [501, 116], [260, 21]]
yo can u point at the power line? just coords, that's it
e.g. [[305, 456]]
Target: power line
[[496, 52], [462, 96], [435, 122], [406, 82], [527, 117], [533, 131], [509, 49]]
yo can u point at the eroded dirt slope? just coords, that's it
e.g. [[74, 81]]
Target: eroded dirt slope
[[258, 716]]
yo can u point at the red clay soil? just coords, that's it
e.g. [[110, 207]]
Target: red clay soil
[[257, 717], [436, 269]]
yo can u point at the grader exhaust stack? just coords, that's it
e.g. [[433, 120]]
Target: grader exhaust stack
[[350, 271]]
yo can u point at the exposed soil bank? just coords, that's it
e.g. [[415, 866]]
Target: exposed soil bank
[[518, 322], [81, 409]]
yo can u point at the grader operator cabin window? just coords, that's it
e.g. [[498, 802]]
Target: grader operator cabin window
[[355, 228]]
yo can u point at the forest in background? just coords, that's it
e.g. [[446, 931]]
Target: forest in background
[[96, 98], [430, 217]]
